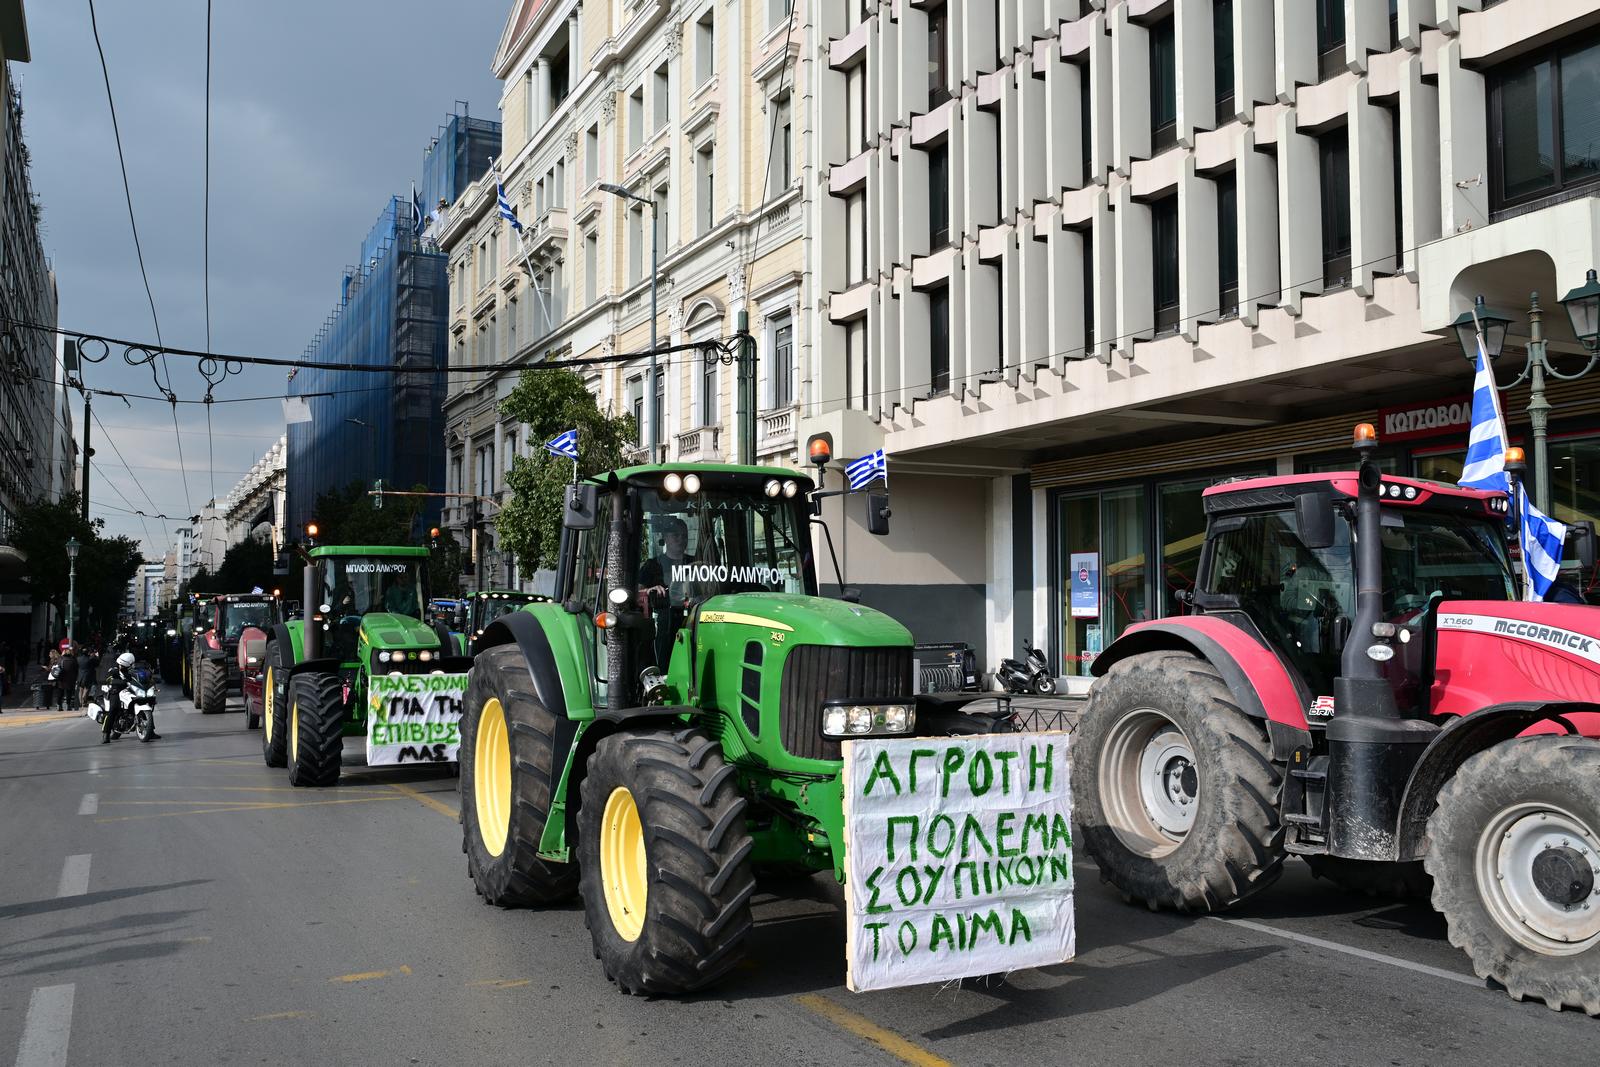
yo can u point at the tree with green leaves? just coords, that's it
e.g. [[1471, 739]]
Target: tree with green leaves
[[105, 564], [552, 402]]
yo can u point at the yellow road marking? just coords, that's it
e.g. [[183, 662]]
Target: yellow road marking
[[31, 719], [264, 806], [423, 798], [501, 983], [195, 940], [194, 800], [279, 1015], [218, 788], [362, 976], [864, 1028]]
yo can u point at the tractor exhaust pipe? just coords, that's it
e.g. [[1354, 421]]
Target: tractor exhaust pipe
[[1371, 749], [619, 672], [310, 635]]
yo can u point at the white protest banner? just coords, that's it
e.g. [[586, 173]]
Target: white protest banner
[[414, 718], [959, 855]]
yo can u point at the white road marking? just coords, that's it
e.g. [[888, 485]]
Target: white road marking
[[1360, 953], [90, 804], [74, 877], [47, 1027]]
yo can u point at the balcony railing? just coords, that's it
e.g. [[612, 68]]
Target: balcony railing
[[775, 431], [699, 446]]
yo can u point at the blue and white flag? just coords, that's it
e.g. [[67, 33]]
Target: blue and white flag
[[1485, 467], [1542, 538], [507, 212], [565, 444], [862, 472]]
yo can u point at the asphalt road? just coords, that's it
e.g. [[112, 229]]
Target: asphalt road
[[177, 902]]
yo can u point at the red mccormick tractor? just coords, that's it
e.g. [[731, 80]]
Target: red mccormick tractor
[[216, 644], [1358, 684]]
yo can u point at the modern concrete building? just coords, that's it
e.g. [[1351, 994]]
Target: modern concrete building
[[254, 507], [1076, 261], [695, 107]]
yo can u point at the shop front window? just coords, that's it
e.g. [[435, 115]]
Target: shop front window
[[1183, 534], [1103, 566]]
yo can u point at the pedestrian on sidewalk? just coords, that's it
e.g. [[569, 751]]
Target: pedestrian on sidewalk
[[86, 678], [52, 675], [67, 681]]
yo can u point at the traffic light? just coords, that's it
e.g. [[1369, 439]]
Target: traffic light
[[474, 515], [433, 537], [377, 497]]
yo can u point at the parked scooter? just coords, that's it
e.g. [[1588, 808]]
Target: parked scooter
[[1029, 675], [135, 710]]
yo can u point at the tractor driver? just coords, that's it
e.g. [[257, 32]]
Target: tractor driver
[[662, 586]]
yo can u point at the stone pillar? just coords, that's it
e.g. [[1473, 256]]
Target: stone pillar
[[1130, 94], [1198, 288], [1372, 144], [1299, 213], [1294, 25]]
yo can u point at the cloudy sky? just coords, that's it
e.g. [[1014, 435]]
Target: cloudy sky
[[319, 112]]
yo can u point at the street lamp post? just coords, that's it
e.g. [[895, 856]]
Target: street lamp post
[[653, 434], [72, 584], [1583, 308]]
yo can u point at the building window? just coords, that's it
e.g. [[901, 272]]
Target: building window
[[1333, 156], [1228, 245], [591, 155], [511, 327], [635, 244], [1085, 123], [591, 267], [1164, 239], [1088, 291], [708, 392], [663, 229], [855, 363], [705, 46], [660, 411], [855, 118], [777, 13], [782, 360], [782, 148], [1544, 128], [705, 188], [560, 77], [636, 118], [938, 55], [939, 339], [538, 197], [1394, 24], [1222, 53], [527, 106], [855, 226], [558, 185], [510, 452], [662, 89], [1163, 86], [636, 408], [1330, 38], [938, 196]]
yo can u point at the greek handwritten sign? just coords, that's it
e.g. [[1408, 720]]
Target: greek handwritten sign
[[414, 718], [960, 857]]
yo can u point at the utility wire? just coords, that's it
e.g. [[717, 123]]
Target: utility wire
[[127, 192], [211, 455]]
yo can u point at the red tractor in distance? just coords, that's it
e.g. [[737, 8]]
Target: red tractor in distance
[[217, 662], [1358, 684]]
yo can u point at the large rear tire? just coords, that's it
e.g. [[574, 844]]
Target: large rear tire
[[1514, 850], [274, 718], [665, 861], [1176, 792], [316, 729], [508, 775], [213, 686], [195, 662], [184, 680]]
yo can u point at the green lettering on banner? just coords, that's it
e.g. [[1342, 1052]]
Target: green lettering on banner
[[1035, 765], [935, 874], [1002, 830], [953, 758], [972, 870], [1031, 823], [1004, 759], [881, 767], [873, 907], [933, 828], [980, 759], [915, 825], [1019, 924], [1059, 868], [911, 899], [1002, 875], [906, 949], [875, 927], [1060, 832], [911, 772], [968, 829], [990, 922], [941, 932], [1025, 873]]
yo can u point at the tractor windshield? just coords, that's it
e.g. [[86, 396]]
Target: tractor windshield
[[1453, 557], [486, 609], [239, 616], [360, 585], [721, 541]]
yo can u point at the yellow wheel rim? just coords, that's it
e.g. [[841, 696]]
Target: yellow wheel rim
[[491, 777], [266, 698], [294, 728], [623, 870]]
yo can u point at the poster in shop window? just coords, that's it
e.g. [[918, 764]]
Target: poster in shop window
[[1085, 579]]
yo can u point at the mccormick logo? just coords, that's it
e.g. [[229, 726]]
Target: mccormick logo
[[1548, 635]]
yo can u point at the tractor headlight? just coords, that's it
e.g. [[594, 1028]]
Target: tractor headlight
[[383, 657], [772, 488], [691, 483], [672, 482], [618, 596], [868, 720], [790, 489], [424, 655]]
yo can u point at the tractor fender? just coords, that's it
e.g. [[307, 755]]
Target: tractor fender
[[1254, 676], [329, 665], [281, 635], [1462, 738]]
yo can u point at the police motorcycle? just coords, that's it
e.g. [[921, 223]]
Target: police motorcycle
[[134, 707]]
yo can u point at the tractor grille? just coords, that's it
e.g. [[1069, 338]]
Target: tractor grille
[[816, 674]]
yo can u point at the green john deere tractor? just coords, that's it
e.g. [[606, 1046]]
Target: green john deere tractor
[[669, 726], [487, 605], [360, 662]]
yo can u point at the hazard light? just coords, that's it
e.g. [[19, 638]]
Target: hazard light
[[1365, 432]]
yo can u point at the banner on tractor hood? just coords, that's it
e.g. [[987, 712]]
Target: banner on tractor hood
[[959, 854], [414, 718]]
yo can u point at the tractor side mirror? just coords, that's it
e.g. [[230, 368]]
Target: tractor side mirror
[[1314, 519], [1584, 543], [878, 513], [582, 504]]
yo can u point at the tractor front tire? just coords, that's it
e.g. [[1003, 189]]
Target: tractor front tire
[[316, 729], [195, 663], [665, 861], [1176, 792], [508, 774], [1396, 881], [184, 680], [213, 686], [1514, 850], [274, 709]]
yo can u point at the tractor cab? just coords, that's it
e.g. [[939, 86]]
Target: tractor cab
[[1279, 561], [370, 596], [489, 604]]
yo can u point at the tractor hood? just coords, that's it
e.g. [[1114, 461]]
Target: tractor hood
[[1494, 652], [806, 620], [382, 629]]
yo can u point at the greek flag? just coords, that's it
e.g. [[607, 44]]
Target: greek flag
[[1542, 538], [1486, 446], [564, 444], [864, 470], [506, 211]]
